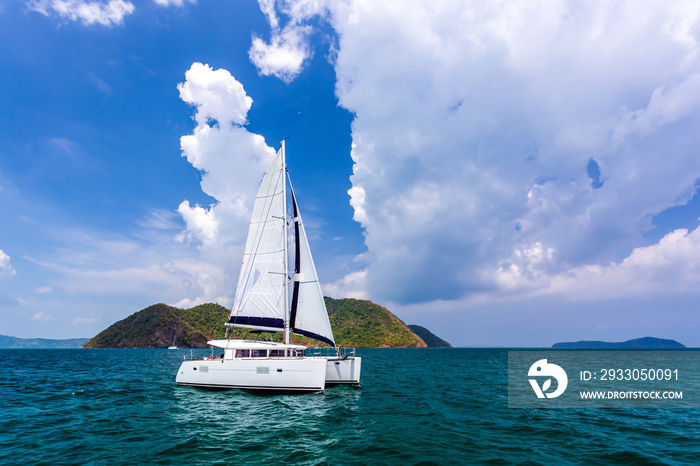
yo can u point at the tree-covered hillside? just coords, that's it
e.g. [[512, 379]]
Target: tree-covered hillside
[[157, 325], [355, 323], [430, 339], [363, 324]]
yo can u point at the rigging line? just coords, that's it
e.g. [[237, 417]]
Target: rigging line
[[259, 233]]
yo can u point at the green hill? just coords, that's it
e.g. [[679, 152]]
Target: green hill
[[430, 339], [155, 327], [356, 323], [363, 324]]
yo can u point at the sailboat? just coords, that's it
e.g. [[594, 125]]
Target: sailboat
[[173, 346], [272, 298]]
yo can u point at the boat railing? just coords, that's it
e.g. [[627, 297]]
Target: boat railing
[[330, 352], [310, 352]]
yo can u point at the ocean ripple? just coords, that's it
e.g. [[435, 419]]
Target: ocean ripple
[[415, 407]]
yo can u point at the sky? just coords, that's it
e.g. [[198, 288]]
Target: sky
[[512, 173]]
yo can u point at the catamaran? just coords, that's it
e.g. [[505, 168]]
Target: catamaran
[[173, 346], [271, 298]]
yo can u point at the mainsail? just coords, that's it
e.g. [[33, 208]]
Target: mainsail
[[259, 302]]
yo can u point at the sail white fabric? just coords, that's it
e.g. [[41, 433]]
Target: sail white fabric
[[259, 302], [310, 315]]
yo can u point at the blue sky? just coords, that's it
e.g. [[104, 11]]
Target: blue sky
[[503, 174]]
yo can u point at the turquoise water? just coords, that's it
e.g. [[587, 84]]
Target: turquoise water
[[415, 406]]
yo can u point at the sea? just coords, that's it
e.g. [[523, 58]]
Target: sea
[[418, 406]]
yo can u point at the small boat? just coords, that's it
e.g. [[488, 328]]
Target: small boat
[[278, 291], [173, 346]]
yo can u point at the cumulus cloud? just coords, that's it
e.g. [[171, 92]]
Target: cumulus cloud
[[665, 106], [352, 285], [216, 95], [288, 49], [87, 12], [670, 267], [5, 266], [232, 162], [283, 56], [476, 125]]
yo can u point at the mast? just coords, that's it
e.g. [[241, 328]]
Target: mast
[[286, 259]]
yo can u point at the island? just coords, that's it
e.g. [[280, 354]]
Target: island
[[637, 343], [356, 323], [430, 339], [8, 342]]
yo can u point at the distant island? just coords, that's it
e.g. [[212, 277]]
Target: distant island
[[430, 339], [7, 342], [637, 343], [356, 323]]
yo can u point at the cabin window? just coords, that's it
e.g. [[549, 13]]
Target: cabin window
[[243, 353], [276, 353], [299, 353], [259, 353]]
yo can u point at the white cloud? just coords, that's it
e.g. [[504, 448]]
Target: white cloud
[[665, 106], [43, 290], [268, 8], [232, 161], [475, 123], [175, 3], [5, 266], [284, 56], [670, 267], [201, 224], [41, 316], [353, 285], [217, 96], [87, 12], [357, 201]]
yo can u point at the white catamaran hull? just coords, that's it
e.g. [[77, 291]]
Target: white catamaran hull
[[343, 370], [269, 376]]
